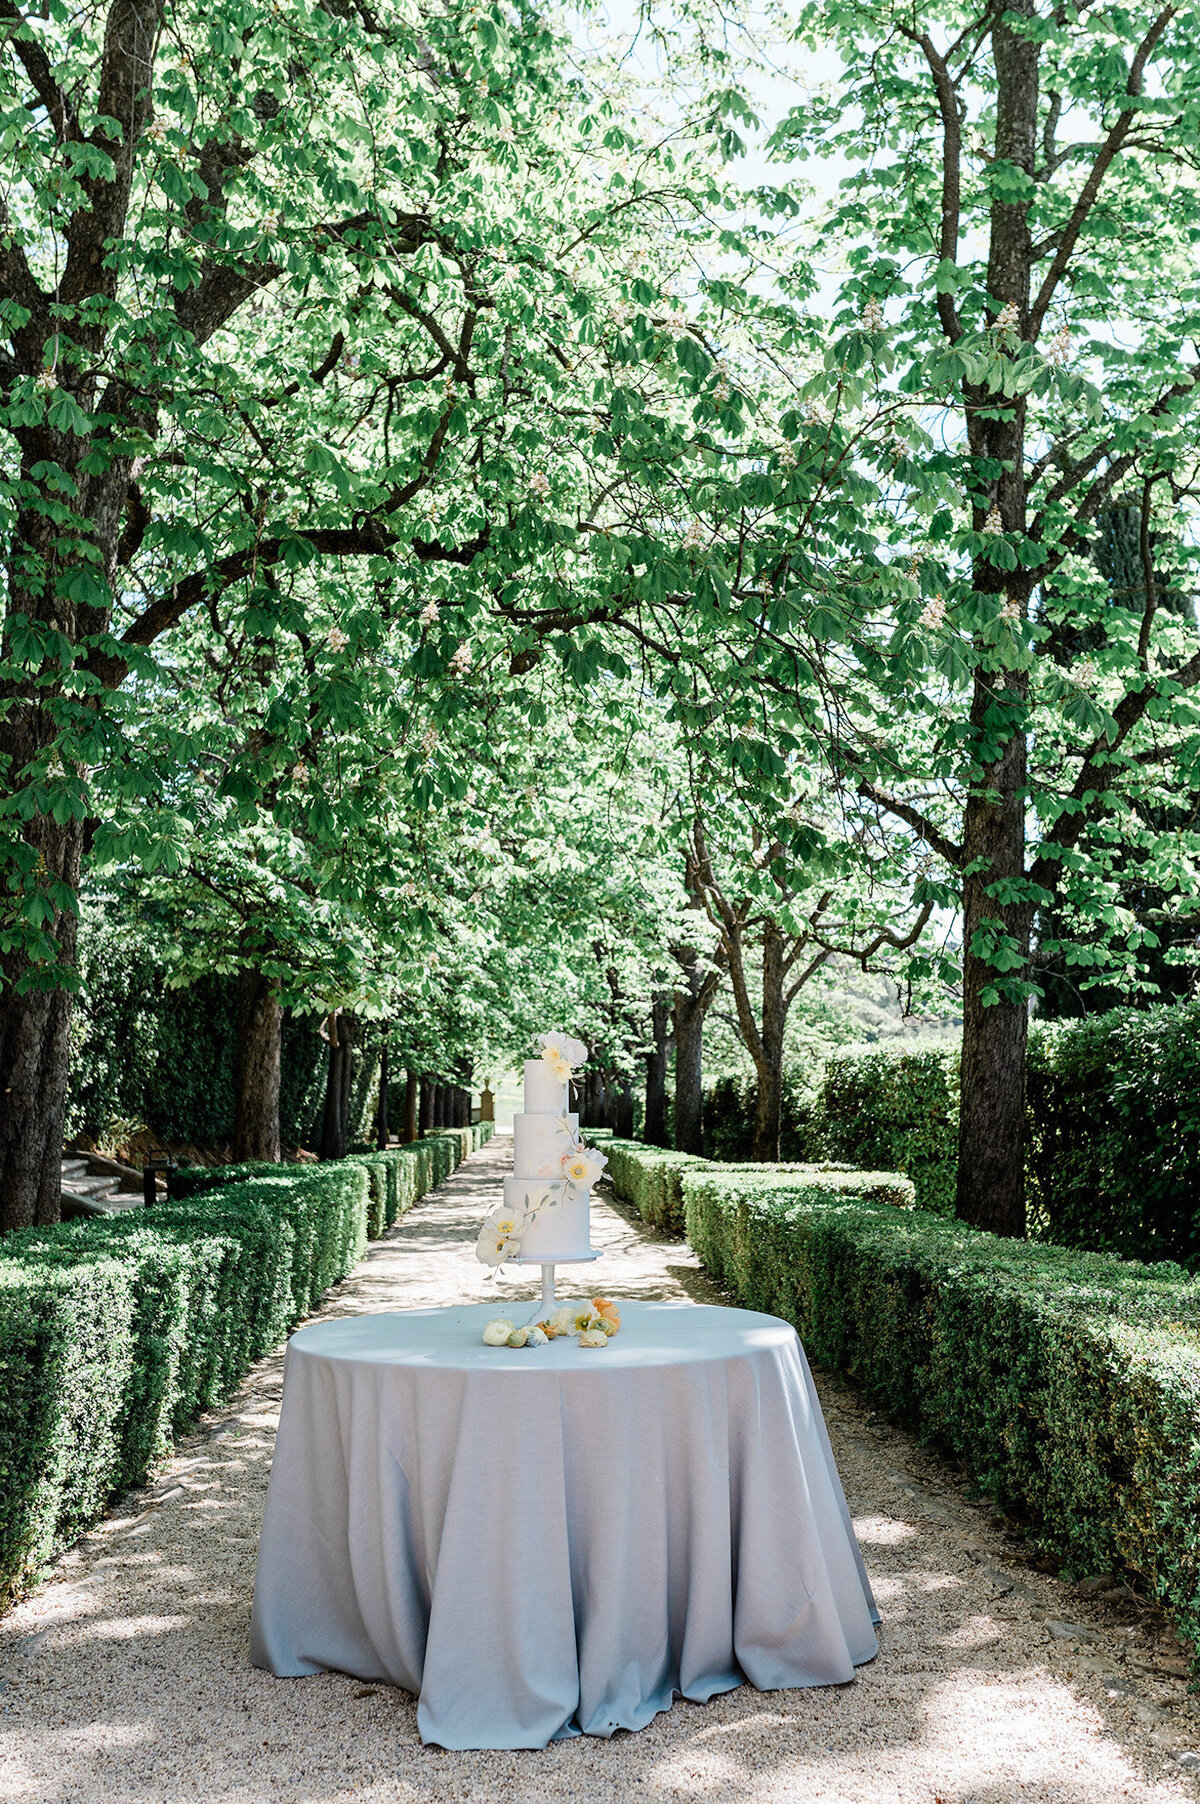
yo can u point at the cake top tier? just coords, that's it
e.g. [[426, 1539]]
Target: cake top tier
[[545, 1094], [547, 1079]]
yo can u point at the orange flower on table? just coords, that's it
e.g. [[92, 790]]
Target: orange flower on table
[[609, 1314]]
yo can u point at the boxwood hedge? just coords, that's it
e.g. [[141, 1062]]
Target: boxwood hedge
[[651, 1179], [116, 1331], [1067, 1382]]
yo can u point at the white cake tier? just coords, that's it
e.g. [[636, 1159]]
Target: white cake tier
[[544, 1095], [540, 1143], [563, 1229]]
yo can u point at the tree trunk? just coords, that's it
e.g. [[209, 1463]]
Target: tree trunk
[[337, 1089], [412, 1099], [996, 933], [34, 1058], [689, 1069], [991, 1132], [257, 1068], [654, 1128], [426, 1110], [623, 1110], [382, 1133], [769, 1057]]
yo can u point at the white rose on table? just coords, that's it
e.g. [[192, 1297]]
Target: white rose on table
[[593, 1337], [583, 1165], [496, 1333]]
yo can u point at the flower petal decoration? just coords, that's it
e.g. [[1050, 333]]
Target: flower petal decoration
[[608, 1313], [583, 1164], [572, 1051], [499, 1239], [593, 1337], [496, 1333], [559, 1068]]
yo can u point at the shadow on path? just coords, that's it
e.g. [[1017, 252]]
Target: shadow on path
[[126, 1677]]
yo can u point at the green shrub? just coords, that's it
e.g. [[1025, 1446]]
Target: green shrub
[[648, 1178], [65, 1360], [1114, 1132], [729, 1109], [1067, 1382], [896, 1111], [115, 1332]]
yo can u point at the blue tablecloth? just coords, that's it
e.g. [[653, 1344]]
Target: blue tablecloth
[[553, 1541]]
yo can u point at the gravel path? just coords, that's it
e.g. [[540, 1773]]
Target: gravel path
[[126, 1679]]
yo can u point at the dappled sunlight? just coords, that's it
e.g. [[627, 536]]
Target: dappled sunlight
[[882, 1531], [140, 1690]]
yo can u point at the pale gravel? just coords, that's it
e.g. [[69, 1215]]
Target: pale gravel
[[126, 1678]]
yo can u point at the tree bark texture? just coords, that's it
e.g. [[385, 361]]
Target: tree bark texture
[[412, 1101], [991, 1168], [426, 1110], [690, 1010], [654, 1130], [382, 1129], [34, 1055], [257, 1068], [335, 1123], [768, 1060]]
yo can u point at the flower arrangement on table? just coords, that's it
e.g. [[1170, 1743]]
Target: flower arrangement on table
[[593, 1323], [501, 1235]]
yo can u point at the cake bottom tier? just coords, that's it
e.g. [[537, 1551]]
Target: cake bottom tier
[[563, 1228]]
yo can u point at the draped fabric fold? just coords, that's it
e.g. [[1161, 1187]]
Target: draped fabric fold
[[554, 1541]]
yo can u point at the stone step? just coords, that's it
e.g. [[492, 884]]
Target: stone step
[[93, 1185]]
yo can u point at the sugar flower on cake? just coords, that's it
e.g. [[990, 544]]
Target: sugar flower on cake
[[499, 1239], [563, 1053], [583, 1164]]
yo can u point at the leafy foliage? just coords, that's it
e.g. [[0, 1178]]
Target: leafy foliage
[[115, 1333], [1068, 1383], [1114, 1136]]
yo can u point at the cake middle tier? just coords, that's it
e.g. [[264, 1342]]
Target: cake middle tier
[[562, 1228], [541, 1142]]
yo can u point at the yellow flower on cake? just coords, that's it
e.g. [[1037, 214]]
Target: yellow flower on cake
[[583, 1164], [499, 1239], [559, 1067]]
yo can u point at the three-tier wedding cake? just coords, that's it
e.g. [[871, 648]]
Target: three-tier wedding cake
[[547, 1200]]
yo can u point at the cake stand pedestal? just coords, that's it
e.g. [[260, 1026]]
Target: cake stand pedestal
[[548, 1266]]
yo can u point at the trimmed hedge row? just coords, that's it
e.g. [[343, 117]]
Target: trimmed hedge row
[[396, 1178], [1114, 1132], [651, 1178], [898, 1110], [1067, 1382], [116, 1332]]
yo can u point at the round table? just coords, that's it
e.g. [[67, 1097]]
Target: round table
[[550, 1541]]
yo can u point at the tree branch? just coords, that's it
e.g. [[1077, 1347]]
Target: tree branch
[[921, 825], [951, 171], [1096, 175]]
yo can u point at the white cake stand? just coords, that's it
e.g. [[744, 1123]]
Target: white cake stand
[[548, 1266]]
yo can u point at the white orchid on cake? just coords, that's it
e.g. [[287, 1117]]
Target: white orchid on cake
[[564, 1054]]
